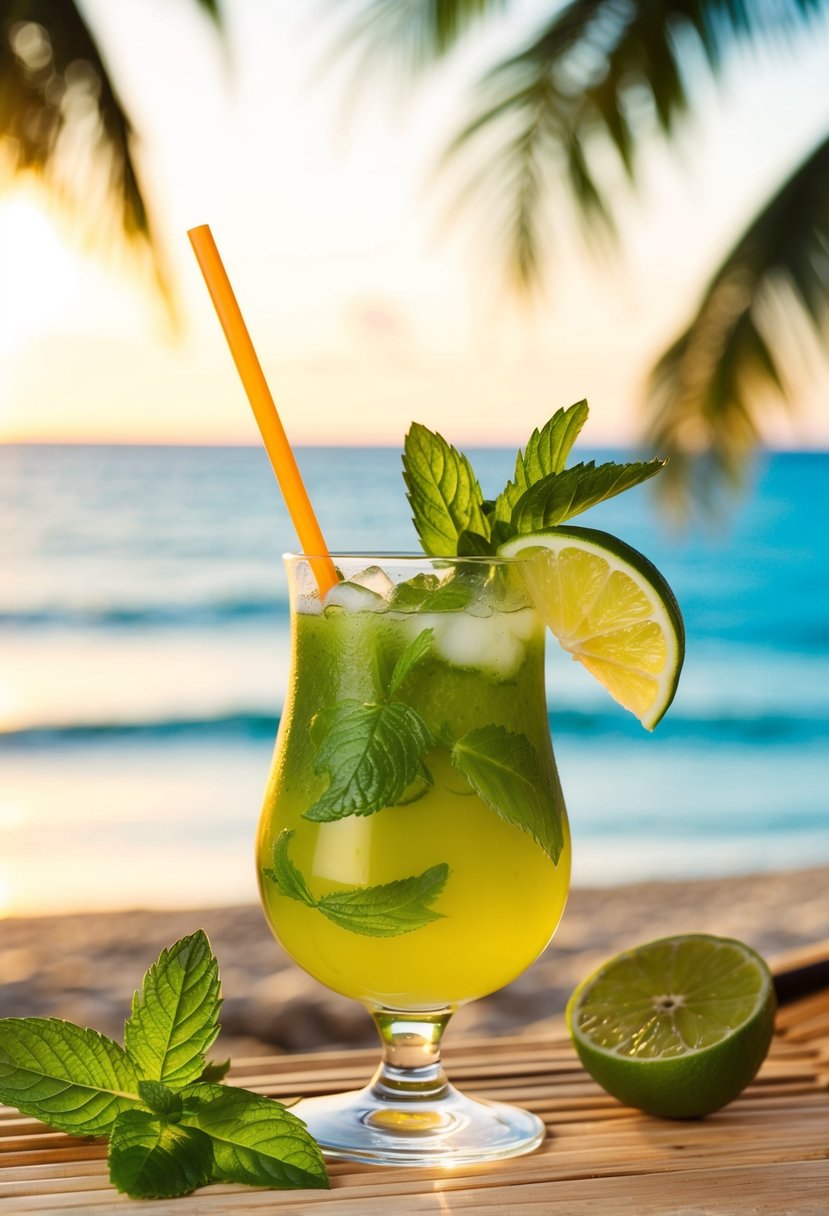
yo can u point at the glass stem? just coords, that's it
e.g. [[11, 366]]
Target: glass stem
[[410, 1069]]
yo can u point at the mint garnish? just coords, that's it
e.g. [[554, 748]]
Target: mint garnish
[[428, 593], [174, 1018], [285, 874], [381, 911], [508, 773], [159, 1099], [372, 752], [254, 1140], [443, 491], [560, 496], [215, 1071], [452, 517], [72, 1078], [152, 1158], [168, 1136], [546, 452]]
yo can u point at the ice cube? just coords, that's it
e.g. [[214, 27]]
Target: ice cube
[[374, 579], [350, 597], [486, 644]]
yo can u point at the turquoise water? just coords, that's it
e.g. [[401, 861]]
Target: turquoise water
[[143, 652]]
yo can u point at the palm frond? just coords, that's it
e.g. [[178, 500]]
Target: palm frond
[[61, 118], [706, 391], [411, 34], [213, 9], [579, 84]]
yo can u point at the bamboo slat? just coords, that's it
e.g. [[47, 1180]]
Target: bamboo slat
[[767, 1154]]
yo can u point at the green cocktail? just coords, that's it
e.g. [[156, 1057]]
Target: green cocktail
[[500, 894], [438, 872], [413, 848]]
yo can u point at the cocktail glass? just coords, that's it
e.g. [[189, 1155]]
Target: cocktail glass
[[476, 842]]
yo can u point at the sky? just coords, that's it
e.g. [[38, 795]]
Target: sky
[[366, 311]]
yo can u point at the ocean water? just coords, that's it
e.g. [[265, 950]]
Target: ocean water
[[143, 662]]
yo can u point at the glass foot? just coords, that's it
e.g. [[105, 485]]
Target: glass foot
[[448, 1130]]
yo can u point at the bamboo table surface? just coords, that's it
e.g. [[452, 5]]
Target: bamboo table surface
[[765, 1154]]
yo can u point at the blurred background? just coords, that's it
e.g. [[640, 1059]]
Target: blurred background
[[462, 212]]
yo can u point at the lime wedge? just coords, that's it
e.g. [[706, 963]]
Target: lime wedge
[[677, 1027], [611, 609]]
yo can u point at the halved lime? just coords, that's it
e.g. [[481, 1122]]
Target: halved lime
[[611, 609], [677, 1027]]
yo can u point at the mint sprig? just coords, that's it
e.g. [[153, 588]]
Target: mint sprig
[[167, 1136], [254, 1139], [75, 1079], [452, 517], [546, 452], [386, 910], [372, 752], [443, 491], [560, 496], [151, 1157], [175, 1017]]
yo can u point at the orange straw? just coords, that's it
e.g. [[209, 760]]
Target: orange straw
[[262, 403]]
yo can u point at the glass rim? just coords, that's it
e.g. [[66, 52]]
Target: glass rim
[[401, 558]]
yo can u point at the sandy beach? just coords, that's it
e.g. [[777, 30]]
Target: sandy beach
[[85, 967]]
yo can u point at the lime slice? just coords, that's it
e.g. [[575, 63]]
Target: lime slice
[[677, 1027], [611, 609]]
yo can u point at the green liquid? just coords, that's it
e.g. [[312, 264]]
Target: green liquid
[[504, 896]]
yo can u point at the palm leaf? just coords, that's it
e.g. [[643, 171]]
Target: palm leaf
[[706, 391], [61, 117], [540, 117], [411, 33]]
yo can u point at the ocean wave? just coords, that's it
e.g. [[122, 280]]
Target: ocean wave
[[222, 728], [130, 616], [258, 726]]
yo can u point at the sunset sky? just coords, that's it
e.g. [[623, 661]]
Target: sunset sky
[[366, 313]]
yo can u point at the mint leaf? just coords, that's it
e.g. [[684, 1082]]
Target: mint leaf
[[215, 1070], [507, 772], [409, 596], [76, 1080], [160, 1099], [413, 653], [382, 911], [254, 1139], [390, 909], [560, 496], [286, 875], [174, 1019], [427, 593], [371, 753], [546, 452], [151, 1159], [453, 595], [474, 544], [443, 492]]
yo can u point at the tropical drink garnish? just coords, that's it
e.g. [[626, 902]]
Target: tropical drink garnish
[[611, 609], [604, 602], [677, 1027]]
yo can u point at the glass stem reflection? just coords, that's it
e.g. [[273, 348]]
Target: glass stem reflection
[[410, 1069]]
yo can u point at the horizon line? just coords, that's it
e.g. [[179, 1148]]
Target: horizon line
[[379, 446]]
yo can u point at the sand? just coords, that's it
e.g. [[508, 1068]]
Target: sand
[[85, 967]]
